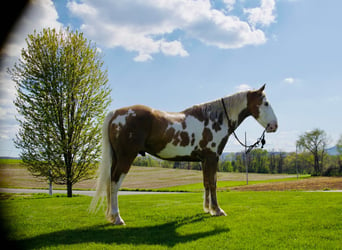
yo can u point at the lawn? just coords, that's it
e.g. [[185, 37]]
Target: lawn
[[256, 220]]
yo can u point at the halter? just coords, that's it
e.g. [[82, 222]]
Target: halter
[[248, 147]]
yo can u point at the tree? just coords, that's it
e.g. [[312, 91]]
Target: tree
[[339, 150], [315, 142], [259, 162], [62, 94]]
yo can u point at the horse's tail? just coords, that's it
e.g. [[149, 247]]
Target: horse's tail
[[104, 171]]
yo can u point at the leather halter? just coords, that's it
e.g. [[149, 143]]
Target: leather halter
[[248, 148]]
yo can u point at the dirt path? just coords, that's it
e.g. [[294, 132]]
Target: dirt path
[[315, 183]]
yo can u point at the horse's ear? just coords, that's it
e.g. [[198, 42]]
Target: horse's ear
[[262, 88]]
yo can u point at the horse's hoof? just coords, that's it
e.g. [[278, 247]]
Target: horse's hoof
[[119, 221], [218, 212], [116, 220]]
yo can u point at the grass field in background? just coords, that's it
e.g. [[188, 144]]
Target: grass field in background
[[14, 175], [256, 220], [223, 185]]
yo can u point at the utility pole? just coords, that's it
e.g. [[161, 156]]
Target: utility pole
[[296, 161], [246, 163]]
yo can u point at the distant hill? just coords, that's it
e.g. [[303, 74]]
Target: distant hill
[[7, 157], [231, 156], [332, 151]]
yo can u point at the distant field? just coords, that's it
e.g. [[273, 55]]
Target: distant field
[[14, 175]]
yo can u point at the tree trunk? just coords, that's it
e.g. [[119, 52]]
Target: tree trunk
[[69, 188], [69, 175], [316, 164]]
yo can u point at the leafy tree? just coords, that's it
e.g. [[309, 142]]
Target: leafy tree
[[62, 94], [339, 149], [290, 163], [226, 166], [315, 142], [259, 162]]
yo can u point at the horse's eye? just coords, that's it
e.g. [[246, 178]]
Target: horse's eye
[[266, 104]]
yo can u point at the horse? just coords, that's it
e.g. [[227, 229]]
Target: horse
[[198, 134]]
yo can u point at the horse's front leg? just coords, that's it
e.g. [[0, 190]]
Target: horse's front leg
[[206, 206], [214, 207], [209, 181]]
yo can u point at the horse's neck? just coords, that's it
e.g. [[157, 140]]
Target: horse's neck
[[205, 111], [236, 106]]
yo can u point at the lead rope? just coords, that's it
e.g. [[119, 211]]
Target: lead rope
[[248, 147]]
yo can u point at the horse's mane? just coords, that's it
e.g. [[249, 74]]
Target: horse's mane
[[233, 104]]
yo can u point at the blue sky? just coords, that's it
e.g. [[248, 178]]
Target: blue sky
[[173, 54]]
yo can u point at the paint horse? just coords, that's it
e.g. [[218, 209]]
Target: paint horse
[[199, 133]]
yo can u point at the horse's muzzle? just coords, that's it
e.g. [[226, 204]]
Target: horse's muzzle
[[272, 127]]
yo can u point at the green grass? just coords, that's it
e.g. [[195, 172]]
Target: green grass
[[10, 161], [256, 220], [221, 185]]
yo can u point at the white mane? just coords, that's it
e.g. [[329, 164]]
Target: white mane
[[234, 105]]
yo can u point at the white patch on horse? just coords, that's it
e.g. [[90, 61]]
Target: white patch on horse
[[131, 112], [266, 115], [174, 116], [115, 186], [120, 120]]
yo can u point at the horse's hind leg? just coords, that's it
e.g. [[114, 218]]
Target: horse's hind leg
[[113, 204], [119, 171]]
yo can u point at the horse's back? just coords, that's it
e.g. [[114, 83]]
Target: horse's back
[[141, 128], [129, 128]]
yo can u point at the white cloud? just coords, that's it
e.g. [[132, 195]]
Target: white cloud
[[229, 4], [263, 15], [243, 87], [142, 58], [148, 27], [39, 14], [289, 80]]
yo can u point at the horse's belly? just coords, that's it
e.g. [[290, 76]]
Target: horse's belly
[[175, 151]]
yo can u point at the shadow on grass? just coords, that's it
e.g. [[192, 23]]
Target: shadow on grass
[[163, 234]]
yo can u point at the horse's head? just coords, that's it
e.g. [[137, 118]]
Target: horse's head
[[261, 109]]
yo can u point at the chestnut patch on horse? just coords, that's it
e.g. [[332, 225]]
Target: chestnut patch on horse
[[184, 139], [222, 144], [254, 100], [183, 125], [192, 139], [176, 139], [169, 134], [207, 136]]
